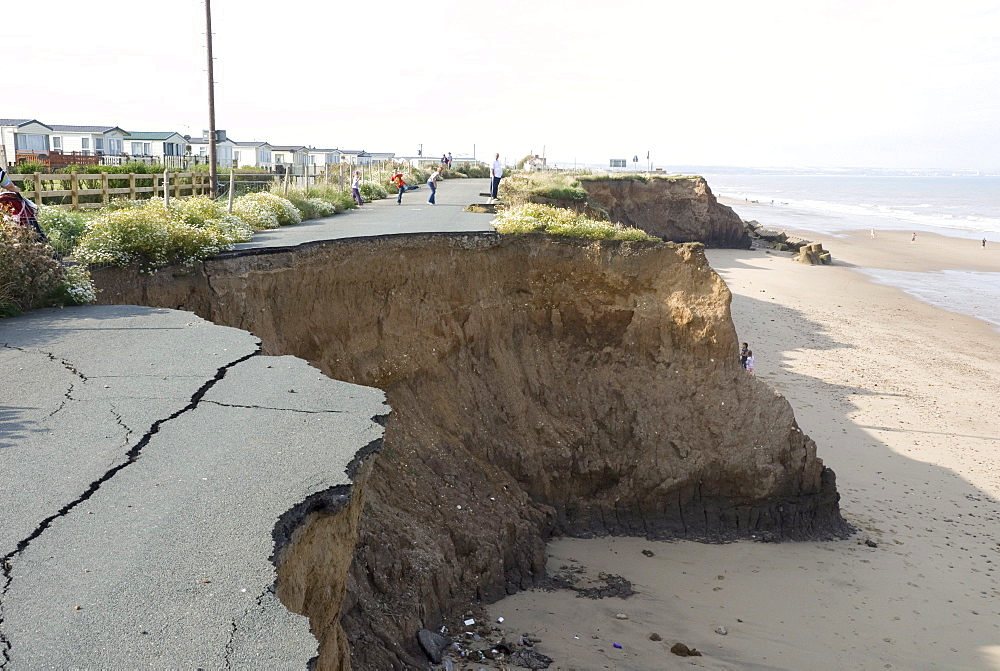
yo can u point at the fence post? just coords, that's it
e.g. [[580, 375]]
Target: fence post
[[38, 188], [287, 175], [232, 187], [104, 188], [166, 187], [177, 185], [74, 191], [131, 186]]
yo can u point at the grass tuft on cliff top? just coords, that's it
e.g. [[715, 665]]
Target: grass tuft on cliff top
[[535, 218], [645, 178]]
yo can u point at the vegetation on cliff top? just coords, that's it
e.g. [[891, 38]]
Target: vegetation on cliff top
[[532, 187], [536, 218], [645, 178], [31, 277]]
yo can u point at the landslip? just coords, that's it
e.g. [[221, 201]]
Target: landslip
[[539, 386]]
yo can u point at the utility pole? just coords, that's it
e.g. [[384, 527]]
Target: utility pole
[[213, 177]]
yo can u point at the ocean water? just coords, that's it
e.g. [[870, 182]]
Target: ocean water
[[965, 207], [962, 207]]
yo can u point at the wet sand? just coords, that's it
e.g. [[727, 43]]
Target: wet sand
[[903, 400]]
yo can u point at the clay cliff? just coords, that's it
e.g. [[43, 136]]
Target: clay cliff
[[539, 386], [678, 209]]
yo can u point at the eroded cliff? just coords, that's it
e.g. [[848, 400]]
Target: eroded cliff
[[672, 208], [539, 386]]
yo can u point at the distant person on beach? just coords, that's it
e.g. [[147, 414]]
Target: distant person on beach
[[873, 234], [397, 179], [496, 173], [356, 188], [743, 354], [984, 243], [432, 183], [748, 365], [913, 238]]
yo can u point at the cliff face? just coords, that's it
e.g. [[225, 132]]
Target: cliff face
[[539, 386], [679, 210]]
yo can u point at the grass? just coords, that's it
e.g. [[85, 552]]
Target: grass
[[536, 218]]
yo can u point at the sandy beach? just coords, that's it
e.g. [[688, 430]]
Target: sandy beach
[[902, 399]]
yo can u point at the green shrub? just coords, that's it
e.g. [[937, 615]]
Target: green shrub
[[340, 199], [472, 169], [372, 191], [151, 237], [535, 218], [64, 228], [27, 168], [30, 277], [310, 207]]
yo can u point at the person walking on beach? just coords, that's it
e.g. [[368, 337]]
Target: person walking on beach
[[873, 234], [356, 188], [748, 364], [397, 179], [432, 183], [496, 173], [743, 354], [913, 238], [984, 244]]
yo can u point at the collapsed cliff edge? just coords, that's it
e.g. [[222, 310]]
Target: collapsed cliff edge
[[539, 385], [674, 208]]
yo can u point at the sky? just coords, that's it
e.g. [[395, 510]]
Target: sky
[[831, 83]]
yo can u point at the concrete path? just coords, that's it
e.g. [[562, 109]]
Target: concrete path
[[383, 217], [146, 456]]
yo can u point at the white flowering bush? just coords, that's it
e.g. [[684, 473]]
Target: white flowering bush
[[203, 212], [149, 237], [534, 218], [64, 228], [79, 287], [251, 207], [372, 191], [254, 213]]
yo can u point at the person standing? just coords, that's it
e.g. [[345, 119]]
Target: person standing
[[444, 160], [913, 238], [397, 179], [450, 159], [749, 362], [984, 243], [356, 188], [744, 353], [432, 183], [496, 173]]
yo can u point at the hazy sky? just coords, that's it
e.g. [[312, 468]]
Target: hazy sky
[[888, 83]]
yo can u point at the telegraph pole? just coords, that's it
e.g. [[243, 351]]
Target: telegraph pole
[[212, 173]]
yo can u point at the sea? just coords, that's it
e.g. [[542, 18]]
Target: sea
[[966, 206]]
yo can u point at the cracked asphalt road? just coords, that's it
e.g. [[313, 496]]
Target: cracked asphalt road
[[146, 456]]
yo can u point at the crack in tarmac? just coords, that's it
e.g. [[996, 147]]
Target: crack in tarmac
[[132, 456], [264, 407]]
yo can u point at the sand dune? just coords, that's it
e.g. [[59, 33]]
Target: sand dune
[[903, 400]]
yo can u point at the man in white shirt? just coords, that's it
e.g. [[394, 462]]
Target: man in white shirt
[[496, 172]]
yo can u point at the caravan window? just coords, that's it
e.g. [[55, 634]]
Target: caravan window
[[30, 142]]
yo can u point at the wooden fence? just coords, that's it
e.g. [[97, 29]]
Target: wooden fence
[[177, 184]]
